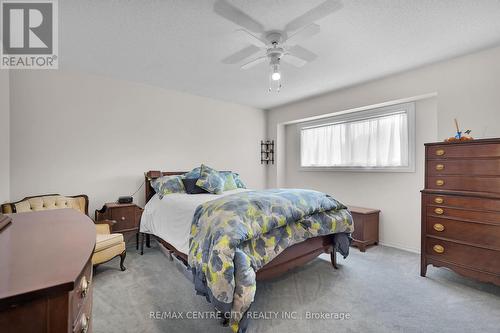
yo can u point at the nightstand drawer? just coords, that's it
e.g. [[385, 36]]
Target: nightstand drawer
[[124, 217]]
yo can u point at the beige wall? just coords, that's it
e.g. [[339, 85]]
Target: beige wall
[[74, 133], [4, 136], [466, 88]]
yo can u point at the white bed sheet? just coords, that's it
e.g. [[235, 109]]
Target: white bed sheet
[[170, 218]]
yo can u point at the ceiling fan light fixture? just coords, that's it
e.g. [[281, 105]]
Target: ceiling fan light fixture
[[275, 76], [277, 44]]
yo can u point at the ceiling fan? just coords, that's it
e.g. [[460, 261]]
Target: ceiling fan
[[274, 46]]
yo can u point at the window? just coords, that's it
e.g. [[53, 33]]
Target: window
[[373, 140]]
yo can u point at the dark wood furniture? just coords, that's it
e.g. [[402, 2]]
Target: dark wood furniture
[[461, 208], [127, 217], [4, 221], [292, 257], [46, 272], [365, 226]]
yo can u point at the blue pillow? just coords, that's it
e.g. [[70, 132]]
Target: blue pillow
[[210, 180], [238, 181], [193, 174], [229, 182], [167, 185]]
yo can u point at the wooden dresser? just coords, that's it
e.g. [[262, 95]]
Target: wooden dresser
[[46, 272], [461, 208]]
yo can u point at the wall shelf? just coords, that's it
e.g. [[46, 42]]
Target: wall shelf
[[267, 152]]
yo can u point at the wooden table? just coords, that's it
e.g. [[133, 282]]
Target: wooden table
[[46, 272]]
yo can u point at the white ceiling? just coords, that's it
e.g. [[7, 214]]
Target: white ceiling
[[179, 44]]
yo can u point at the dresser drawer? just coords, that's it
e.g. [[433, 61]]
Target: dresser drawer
[[464, 183], [463, 214], [476, 233], [465, 255], [125, 218], [461, 150], [83, 322], [82, 291], [486, 167], [463, 202]]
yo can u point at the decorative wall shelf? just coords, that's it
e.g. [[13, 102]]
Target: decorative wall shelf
[[267, 152]]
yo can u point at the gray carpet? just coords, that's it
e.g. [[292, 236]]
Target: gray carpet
[[381, 290]]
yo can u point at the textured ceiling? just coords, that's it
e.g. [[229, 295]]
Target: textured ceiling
[[179, 44]]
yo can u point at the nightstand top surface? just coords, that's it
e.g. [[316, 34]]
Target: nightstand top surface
[[362, 210]]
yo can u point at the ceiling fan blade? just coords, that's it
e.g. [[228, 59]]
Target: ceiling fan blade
[[241, 55], [293, 60], [299, 56], [302, 53], [306, 32], [235, 15], [251, 38], [254, 62], [318, 12]]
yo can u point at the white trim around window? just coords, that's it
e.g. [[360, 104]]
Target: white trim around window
[[374, 140]]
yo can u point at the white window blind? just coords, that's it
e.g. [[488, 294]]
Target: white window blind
[[375, 139]]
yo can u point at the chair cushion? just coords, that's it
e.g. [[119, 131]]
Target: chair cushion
[[107, 254], [104, 241], [102, 228]]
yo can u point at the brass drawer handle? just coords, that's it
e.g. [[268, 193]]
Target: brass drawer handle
[[85, 324], [439, 182], [439, 167], [438, 248], [123, 218], [438, 200], [438, 227], [440, 152], [85, 285], [439, 211]]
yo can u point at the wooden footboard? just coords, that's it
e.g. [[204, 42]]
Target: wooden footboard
[[292, 257]]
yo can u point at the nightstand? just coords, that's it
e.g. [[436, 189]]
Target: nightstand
[[365, 226], [127, 217]]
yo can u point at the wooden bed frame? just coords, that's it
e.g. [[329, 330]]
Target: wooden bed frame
[[292, 257]]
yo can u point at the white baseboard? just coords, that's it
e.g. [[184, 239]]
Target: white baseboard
[[400, 247]]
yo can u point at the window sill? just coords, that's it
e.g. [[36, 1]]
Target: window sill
[[407, 169]]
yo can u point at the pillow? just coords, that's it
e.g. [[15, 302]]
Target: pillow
[[210, 180], [167, 185], [238, 181], [193, 174], [229, 183], [190, 186]]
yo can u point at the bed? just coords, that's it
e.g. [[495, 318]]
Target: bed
[[169, 222]]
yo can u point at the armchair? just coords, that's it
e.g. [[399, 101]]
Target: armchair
[[108, 245]]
